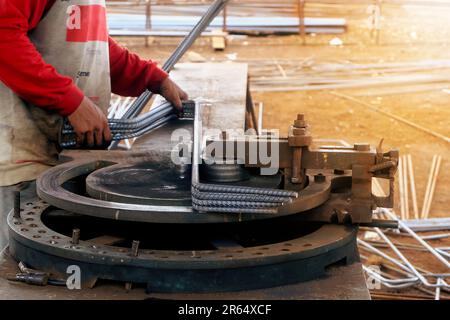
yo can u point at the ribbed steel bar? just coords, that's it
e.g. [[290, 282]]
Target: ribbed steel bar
[[203, 187], [234, 210], [120, 135], [146, 129], [235, 204], [211, 13], [132, 125], [204, 22], [226, 198], [238, 197]]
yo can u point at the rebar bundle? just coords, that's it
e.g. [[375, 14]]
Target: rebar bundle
[[217, 198]]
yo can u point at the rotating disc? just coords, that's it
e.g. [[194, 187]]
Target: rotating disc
[[142, 183]]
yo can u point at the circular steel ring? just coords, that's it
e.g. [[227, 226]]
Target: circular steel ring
[[50, 189], [266, 265]]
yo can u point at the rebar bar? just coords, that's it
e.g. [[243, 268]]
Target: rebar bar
[[238, 197], [234, 210], [211, 13], [235, 204], [204, 196]]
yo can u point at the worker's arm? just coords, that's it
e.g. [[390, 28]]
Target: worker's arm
[[22, 68], [24, 71], [131, 76]]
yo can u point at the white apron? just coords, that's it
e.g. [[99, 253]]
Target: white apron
[[73, 37]]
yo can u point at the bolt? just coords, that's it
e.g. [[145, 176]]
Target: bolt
[[300, 116], [134, 253], [298, 131], [17, 204], [135, 248], [300, 124], [361, 147], [224, 135], [75, 236], [339, 172], [343, 216], [319, 178], [296, 166]]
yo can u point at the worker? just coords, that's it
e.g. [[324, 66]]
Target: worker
[[56, 61]]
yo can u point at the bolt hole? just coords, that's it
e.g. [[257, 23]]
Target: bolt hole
[[307, 245], [36, 236], [229, 256], [29, 203], [42, 231], [258, 253], [30, 213], [288, 244], [56, 237], [17, 223], [53, 242], [24, 229], [286, 250], [33, 225], [29, 219]]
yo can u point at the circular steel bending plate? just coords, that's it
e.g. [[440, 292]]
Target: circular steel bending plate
[[228, 269], [142, 183], [154, 183], [50, 189]]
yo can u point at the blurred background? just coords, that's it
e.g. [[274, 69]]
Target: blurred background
[[361, 70]]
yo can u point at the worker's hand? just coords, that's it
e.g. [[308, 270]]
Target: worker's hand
[[173, 93], [90, 125]]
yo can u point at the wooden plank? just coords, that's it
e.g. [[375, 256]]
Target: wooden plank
[[222, 84]]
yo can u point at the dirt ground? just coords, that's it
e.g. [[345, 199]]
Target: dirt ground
[[333, 117]]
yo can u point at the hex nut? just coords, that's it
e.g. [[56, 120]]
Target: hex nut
[[300, 124]]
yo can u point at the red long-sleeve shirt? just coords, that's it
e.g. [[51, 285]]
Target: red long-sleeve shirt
[[25, 72]]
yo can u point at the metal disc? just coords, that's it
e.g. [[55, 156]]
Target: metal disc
[[142, 183], [275, 253], [64, 187], [159, 183]]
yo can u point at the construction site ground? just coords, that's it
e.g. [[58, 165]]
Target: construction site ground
[[407, 35]]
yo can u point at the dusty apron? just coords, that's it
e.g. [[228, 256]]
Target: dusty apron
[[73, 37]]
